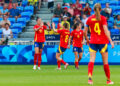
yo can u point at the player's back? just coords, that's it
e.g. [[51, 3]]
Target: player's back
[[64, 36], [96, 28]]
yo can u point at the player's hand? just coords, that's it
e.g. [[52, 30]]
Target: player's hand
[[88, 42], [53, 24], [112, 44], [48, 23], [83, 43], [68, 46]]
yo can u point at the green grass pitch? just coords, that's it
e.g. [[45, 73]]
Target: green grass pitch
[[23, 75]]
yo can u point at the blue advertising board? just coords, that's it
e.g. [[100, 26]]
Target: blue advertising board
[[24, 54], [57, 37]]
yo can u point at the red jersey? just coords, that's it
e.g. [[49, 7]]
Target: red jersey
[[39, 35], [96, 28], [64, 37], [77, 38]]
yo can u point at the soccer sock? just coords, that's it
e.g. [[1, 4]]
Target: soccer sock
[[35, 59], [107, 71], [59, 64], [76, 64], [63, 62], [39, 60], [90, 69]]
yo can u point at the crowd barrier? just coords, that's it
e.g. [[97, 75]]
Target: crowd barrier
[[24, 54]]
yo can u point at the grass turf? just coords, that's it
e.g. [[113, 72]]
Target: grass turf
[[23, 75]]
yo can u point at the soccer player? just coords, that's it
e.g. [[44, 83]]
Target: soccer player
[[39, 40], [64, 37], [77, 35], [100, 37]]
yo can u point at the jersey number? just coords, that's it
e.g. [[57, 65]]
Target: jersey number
[[97, 28], [66, 38]]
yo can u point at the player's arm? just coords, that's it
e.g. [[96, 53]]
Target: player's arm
[[47, 26], [36, 29], [69, 41], [83, 39], [107, 33], [53, 26], [85, 34]]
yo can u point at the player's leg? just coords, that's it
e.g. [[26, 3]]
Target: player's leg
[[58, 60], [106, 65], [80, 53], [36, 55], [93, 50], [76, 60], [60, 51], [91, 64], [75, 50], [41, 46]]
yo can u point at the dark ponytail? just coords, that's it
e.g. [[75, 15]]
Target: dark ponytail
[[66, 26], [75, 26]]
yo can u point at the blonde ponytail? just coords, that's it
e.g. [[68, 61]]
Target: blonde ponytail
[[97, 9]]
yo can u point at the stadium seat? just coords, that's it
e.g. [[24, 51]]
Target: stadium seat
[[15, 31], [22, 21], [0, 31], [113, 3], [29, 9], [17, 26], [24, 3], [117, 9], [65, 6], [12, 20], [118, 2], [56, 21], [1, 19], [114, 31], [111, 20], [1, 7], [103, 4], [26, 15], [110, 25], [21, 9]]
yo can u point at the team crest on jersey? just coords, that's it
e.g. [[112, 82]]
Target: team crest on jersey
[[40, 31], [35, 45], [75, 49]]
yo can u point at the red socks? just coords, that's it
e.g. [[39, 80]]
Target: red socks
[[107, 71], [39, 60], [63, 62], [59, 64], [76, 64], [35, 59], [90, 69]]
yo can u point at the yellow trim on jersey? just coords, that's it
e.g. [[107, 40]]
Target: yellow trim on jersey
[[90, 75], [104, 49], [43, 45], [82, 49], [90, 29], [91, 50], [35, 37], [60, 50]]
